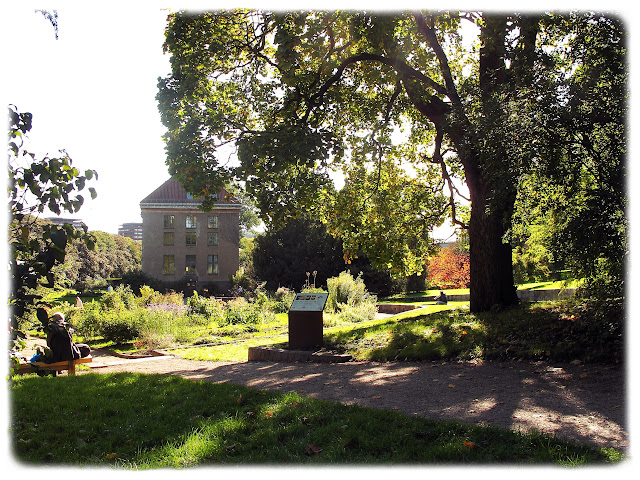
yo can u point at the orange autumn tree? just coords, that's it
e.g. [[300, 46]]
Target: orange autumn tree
[[449, 269]]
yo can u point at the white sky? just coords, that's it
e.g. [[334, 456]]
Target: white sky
[[92, 93]]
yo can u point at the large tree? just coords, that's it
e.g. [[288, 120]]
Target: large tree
[[391, 100]]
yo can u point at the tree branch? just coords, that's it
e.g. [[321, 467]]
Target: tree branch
[[439, 159], [430, 35], [403, 69]]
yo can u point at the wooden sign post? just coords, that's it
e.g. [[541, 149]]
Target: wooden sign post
[[305, 321]]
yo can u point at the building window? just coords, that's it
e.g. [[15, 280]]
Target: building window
[[212, 221], [168, 238], [190, 265], [190, 222], [212, 264], [168, 221], [212, 239], [190, 238], [168, 265]]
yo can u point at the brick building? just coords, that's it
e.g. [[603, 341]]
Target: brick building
[[187, 248]]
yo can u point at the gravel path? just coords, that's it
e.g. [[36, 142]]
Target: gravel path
[[585, 403]]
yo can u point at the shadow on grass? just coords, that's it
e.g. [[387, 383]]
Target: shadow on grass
[[558, 332], [428, 337], [148, 421]]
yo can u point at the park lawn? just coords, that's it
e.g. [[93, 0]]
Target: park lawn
[[137, 421], [237, 350], [553, 331], [547, 285]]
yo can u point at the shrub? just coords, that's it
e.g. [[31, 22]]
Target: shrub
[[119, 298], [157, 327], [88, 322], [148, 296], [120, 326], [282, 300], [239, 311], [450, 268], [357, 313], [345, 290], [137, 280], [208, 307]]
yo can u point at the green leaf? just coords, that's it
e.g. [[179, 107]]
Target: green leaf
[[42, 316]]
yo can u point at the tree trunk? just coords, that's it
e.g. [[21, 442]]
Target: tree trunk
[[491, 271]]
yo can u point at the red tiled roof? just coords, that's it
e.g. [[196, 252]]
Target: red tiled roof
[[171, 191]]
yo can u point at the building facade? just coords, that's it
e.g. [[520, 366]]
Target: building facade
[[131, 230], [77, 223], [186, 248]]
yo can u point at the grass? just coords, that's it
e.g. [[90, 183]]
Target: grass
[[554, 331], [237, 349], [559, 284], [135, 421]]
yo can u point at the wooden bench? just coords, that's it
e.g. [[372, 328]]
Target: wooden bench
[[69, 365]]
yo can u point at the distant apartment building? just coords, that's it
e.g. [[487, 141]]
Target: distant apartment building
[[74, 222], [183, 246], [131, 230]]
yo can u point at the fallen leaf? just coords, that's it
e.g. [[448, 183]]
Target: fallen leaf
[[312, 449], [376, 396], [269, 413], [451, 385], [584, 375], [469, 444], [111, 456]]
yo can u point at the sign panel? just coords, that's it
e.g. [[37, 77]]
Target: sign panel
[[309, 302]]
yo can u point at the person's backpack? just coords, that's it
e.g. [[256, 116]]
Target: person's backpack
[[60, 343]]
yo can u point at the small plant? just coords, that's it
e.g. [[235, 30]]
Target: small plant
[[207, 307], [148, 295], [240, 311], [282, 300], [350, 296], [308, 285], [119, 298]]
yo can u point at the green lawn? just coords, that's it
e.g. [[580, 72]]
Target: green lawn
[[550, 285], [554, 331], [135, 421]]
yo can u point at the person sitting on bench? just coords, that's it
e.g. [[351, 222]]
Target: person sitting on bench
[[60, 342]]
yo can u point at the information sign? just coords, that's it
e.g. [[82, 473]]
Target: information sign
[[309, 302]]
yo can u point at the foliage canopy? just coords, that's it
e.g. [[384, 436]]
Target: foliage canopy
[[402, 108]]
